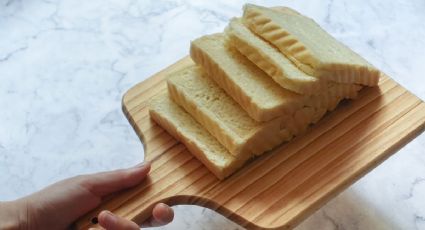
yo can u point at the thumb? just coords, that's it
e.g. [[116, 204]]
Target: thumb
[[104, 183]]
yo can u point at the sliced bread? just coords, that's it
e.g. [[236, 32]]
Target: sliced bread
[[200, 143], [223, 117], [261, 97], [276, 65], [271, 60], [310, 47]]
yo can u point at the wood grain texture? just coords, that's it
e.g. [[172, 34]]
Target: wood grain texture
[[282, 187]]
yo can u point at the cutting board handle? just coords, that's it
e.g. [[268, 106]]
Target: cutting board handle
[[176, 177], [135, 204]]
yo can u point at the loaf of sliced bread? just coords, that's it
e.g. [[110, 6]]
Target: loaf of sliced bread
[[276, 65], [261, 97], [271, 61], [223, 117], [264, 81], [200, 143], [310, 47]]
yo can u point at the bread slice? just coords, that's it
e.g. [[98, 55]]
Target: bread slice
[[223, 117], [271, 61], [200, 143], [310, 47], [261, 97], [276, 65]]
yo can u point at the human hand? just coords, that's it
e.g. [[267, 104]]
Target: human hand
[[60, 204]]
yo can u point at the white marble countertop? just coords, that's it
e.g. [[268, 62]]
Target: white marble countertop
[[65, 64]]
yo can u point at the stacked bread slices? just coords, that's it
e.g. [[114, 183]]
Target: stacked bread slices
[[264, 80]]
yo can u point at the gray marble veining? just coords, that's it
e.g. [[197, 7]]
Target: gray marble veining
[[64, 65]]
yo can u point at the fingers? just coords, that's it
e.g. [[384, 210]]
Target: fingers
[[110, 221], [104, 183], [162, 214]]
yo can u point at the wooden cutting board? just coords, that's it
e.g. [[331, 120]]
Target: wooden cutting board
[[282, 187]]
